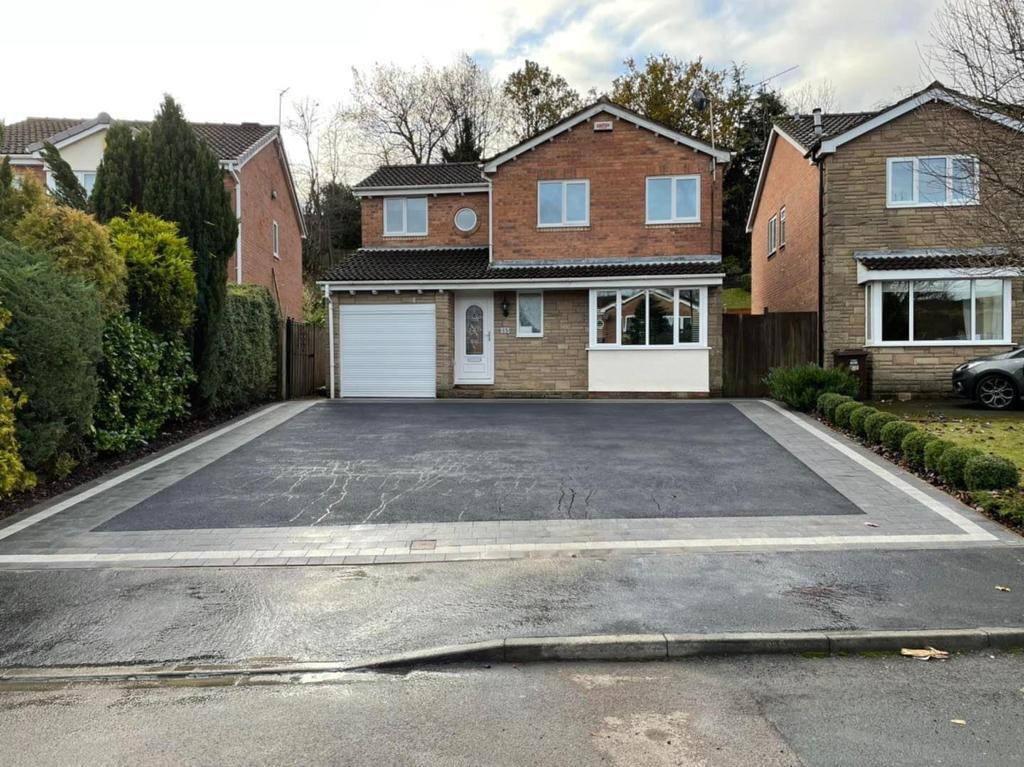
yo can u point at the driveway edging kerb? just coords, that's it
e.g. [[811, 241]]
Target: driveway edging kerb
[[601, 647]]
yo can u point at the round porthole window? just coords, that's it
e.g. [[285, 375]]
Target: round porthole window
[[465, 220]]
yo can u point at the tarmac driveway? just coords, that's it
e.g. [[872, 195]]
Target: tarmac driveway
[[345, 463]]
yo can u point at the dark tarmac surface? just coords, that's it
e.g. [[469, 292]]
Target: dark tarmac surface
[[68, 617], [434, 462], [764, 711]]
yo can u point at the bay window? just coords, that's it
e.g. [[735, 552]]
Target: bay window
[[938, 312], [913, 182], [647, 317]]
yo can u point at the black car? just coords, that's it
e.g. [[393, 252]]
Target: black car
[[997, 382]]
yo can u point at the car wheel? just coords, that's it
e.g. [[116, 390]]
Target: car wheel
[[996, 392]]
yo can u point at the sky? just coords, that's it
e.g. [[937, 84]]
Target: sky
[[228, 61]]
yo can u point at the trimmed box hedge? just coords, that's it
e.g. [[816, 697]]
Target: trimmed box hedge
[[843, 413], [873, 426], [828, 402], [858, 417], [954, 462], [913, 447], [893, 433], [990, 472], [933, 453]]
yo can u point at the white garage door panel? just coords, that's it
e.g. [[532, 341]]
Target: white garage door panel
[[388, 350]]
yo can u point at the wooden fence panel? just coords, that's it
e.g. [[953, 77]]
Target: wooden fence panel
[[753, 344], [305, 359]]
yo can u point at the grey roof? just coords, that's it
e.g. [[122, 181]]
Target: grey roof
[[800, 128], [934, 258], [227, 141], [437, 174], [451, 264]]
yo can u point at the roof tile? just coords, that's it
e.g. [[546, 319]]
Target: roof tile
[[437, 174]]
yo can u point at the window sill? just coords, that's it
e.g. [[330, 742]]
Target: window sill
[[670, 224], [926, 344], [402, 236], [665, 348], [900, 205], [529, 335], [563, 227]]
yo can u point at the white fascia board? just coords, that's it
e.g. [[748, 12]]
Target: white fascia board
[[766, 160], [255, 149], [415, 191], [935, 94], [26, 159], [951, 273], [492, 165], [580, 283]]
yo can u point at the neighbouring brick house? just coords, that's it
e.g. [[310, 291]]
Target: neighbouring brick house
[[585, 261], [866, 218], [268, 250]]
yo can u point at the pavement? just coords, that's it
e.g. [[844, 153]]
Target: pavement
[[769, 711], [51, 617]]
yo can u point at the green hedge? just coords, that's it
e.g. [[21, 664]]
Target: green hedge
[[933, 453], [858, 417], [873, 426], [894, 432], [13, 474], [243, 360], [144, 381], [843, 413], [913, 447], [828, 402], [800, 386], [954, 462], [55, 336], [1009, 506], [990, 472]]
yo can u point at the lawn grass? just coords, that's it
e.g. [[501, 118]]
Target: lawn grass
[[1000, 432], [735, 298]]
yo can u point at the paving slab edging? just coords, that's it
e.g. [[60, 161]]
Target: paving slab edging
[[603, 647]]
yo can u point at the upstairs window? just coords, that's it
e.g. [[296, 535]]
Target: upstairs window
[[563, 203], [782, 227], [405, 216], [773, 232], [86, 178], [275, 238], [673, 200], [914, 182]]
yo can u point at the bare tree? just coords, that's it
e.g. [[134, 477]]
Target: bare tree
[[476, 100], [811, 95], [400, 115], [978, 49]]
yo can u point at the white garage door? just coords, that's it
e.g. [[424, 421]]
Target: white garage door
[[387, 350]]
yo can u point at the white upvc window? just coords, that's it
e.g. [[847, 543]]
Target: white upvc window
[[939, 312], [405, 216], [940, 180], [648, 318], [773, 232], [87, 178], [782, 226], [529, 314], [563, 203], [275, 238], [673, 199]]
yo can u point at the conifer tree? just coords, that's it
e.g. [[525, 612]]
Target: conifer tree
[[118, 186], [66, 189]]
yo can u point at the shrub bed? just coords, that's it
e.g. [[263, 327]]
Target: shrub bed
[[990, 472], [843, 413], [828, 402], [13, 474], [858, 417], [801, 386], [954, 462], [894, 432], [933, 453], [873, 426], [913, 447]]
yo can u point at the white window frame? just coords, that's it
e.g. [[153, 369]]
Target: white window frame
[[275, 239], [701, 343], [673, 219], [51, 181], [404, 231], [916, 162], [782, 227], [874, 321], [520, 332], [773, 245], [563, 224], [476, 219]]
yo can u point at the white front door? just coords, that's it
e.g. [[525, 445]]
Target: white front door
[[474, 338]]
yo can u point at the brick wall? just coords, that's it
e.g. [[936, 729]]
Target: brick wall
[[261, 177], [441, 229], [617, 164], [443, 319], [856, 218], [788, 280], [38, 172], [555, 363]]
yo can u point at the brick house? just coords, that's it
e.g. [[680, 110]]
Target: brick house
[[866, 218], [268, 250], [584, 261]]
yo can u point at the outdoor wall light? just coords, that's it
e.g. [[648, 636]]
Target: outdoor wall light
[[504, 306]]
